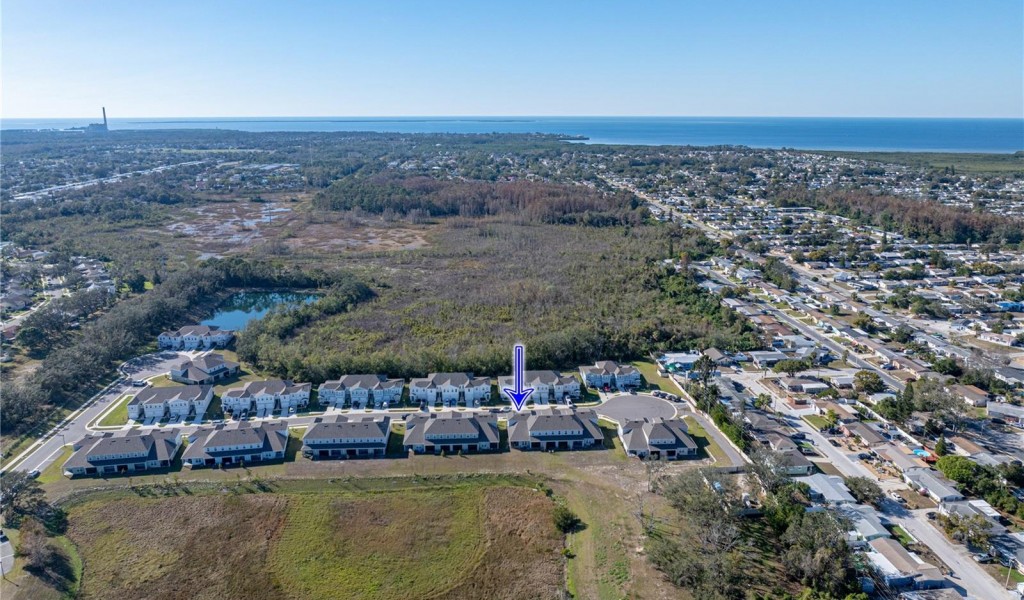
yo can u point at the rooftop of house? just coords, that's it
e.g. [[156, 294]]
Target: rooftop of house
[[153, 445], [418, 427], [657, 434], [434, 380], [269, 436], [272, 387], [528, 425], [347, 429], [368, 382], [155, 395]]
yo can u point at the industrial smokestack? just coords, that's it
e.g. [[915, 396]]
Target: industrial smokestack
[[104, 117]]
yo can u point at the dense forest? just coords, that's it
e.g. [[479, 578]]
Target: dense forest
[[532, 201]]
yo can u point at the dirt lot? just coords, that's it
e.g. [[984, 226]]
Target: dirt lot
[[220, 228]]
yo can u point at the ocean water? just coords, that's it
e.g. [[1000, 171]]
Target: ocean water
[[933, 135]]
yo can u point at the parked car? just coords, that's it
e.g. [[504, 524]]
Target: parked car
[[932, 515], [3, 536], [34, 473], [982, 558], [799, 435], [997, 421], [138, 383], [864, 456]]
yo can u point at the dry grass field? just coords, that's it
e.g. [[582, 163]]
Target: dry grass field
[[465, 541]]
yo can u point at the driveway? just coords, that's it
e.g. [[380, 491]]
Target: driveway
[[6, 557], [967, 575]]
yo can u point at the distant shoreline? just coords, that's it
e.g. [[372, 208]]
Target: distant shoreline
[[845, 134]]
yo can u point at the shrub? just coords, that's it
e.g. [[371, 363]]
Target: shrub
[[565, 520]]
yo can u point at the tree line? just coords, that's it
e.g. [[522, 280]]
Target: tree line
[[69, 374], [529, 200], [924, 220]]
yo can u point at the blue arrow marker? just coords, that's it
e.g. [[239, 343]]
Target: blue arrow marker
[[518, 395]]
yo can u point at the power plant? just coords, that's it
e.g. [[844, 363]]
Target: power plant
[[98, 127]]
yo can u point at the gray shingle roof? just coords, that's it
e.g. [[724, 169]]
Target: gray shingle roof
[[431, 429], [532, 426], [157, 445], [668, 434], [369, 382], [270, 387], [347, 429], [272, 436], [191, 393]]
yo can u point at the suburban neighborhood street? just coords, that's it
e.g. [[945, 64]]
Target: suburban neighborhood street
[[40, 454]]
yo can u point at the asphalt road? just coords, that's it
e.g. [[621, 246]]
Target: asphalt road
[[48, 448], [967, 575]]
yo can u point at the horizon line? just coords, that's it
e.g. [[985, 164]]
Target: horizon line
[[519, 116]]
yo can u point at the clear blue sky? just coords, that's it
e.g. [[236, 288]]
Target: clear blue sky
[[932, 58]]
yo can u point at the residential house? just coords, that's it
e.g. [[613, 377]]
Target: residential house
[[865, 524], [864, 433], [125, 451], [239, 442], [721, 358], [358, 391], [196, 337], [972, 395], [801, 385], [341, 436], [451, 432], [844, 414], [170, 402], [899, 568], [548, 386], [266, 397], [1011, 413], [975, 509], [657, 438], [794, 464], [450, 388], [766, 359], [679, 361], [932, 483], [903, 461], [554, 429], [609, 374], [204, 370], [827, 489]]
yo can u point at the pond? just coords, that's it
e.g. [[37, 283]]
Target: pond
[[243, 307]]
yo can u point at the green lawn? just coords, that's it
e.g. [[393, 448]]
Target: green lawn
[[901, 535], [649, 371], [239, 380], [817, 421], [395, 448], [1015, 575], [706, 446], [54, 472], [117, 416], [164, 381]]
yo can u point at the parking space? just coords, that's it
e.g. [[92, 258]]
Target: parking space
[[636, 406]]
